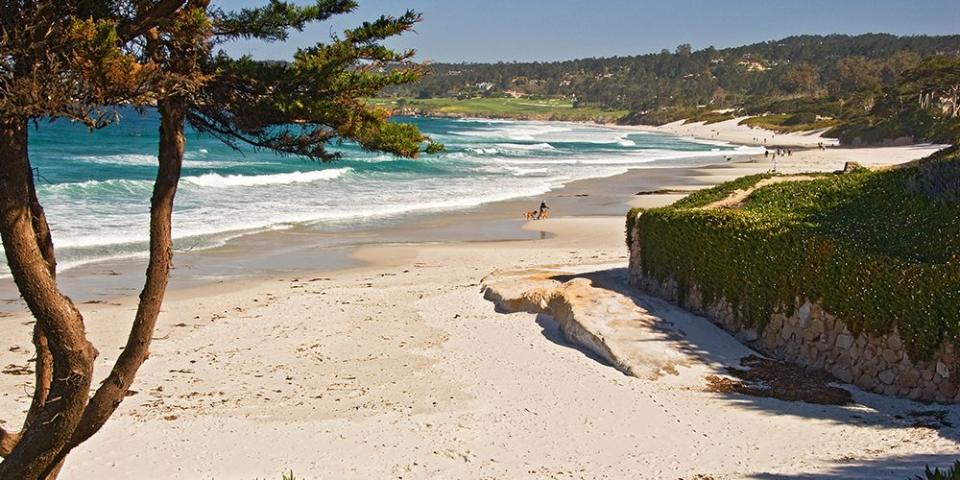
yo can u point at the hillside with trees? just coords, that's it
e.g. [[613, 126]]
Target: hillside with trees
[[835, 79]]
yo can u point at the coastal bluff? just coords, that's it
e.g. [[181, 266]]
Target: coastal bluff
[[852, 273], [814, 338]]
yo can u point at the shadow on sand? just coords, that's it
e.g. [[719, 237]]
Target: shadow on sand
[[551, 331], [707, 342], [903, 467]]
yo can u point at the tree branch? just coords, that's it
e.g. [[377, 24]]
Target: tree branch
[[272, 22], [114, 388], [56, 315], [44, 367], [162, 10]]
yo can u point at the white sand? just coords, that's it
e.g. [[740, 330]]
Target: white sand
[[800, 161], [731, 131], [400, 369]]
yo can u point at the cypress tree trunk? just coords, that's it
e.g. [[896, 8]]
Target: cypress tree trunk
[[44, 365], [114, 388], [71, 356], [44, 362]]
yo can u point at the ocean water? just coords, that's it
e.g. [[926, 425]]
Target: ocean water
[[96, 186]]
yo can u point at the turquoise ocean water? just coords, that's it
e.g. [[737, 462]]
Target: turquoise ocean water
[[96, 186]]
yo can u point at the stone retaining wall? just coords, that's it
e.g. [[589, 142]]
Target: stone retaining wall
[[812, 337]]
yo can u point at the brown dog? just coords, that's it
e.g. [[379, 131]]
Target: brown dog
[[535, 215]]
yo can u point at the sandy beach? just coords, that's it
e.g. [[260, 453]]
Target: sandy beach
[[731, 131], [385, 361]]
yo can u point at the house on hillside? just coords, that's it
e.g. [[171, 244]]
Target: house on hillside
[[752, 65]]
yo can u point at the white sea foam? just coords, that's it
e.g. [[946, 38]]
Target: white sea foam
[[519, 131], [526, 172], [191, 159], [511, 148], [490, 161], [482, 120], [638, 157], [484, 150], [498, 166], [526, 146], [121, 159], [216, 180], [114, 185]]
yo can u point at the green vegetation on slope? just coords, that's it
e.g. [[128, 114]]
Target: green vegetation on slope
[[786, 123], [877, 248], [836, 79], [800, 66], [501, 107], [923, 105], [949, 473]]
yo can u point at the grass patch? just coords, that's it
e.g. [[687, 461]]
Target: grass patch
[[719, 192], [877, 248], [496, 107]]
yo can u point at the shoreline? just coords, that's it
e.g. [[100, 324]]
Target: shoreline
[[110, 274], [278, 251], [275, 253], [303, 250], [729, 131]]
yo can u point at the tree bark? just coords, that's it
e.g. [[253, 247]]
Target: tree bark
[[43, 376], [72, 355], [44, 362], [7, 442], [114, 388]]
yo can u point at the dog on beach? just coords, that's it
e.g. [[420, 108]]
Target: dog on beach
[[535, 215]]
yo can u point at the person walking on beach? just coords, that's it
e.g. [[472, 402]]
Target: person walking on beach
[[543, 208]]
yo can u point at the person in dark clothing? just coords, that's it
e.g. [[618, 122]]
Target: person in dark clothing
[[543, 208]]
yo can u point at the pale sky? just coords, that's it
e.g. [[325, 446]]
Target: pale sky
[[525, 30]]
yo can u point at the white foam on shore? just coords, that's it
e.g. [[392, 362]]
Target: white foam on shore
[[102, 219], [518, 131], [192, 159], [222, 181]]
